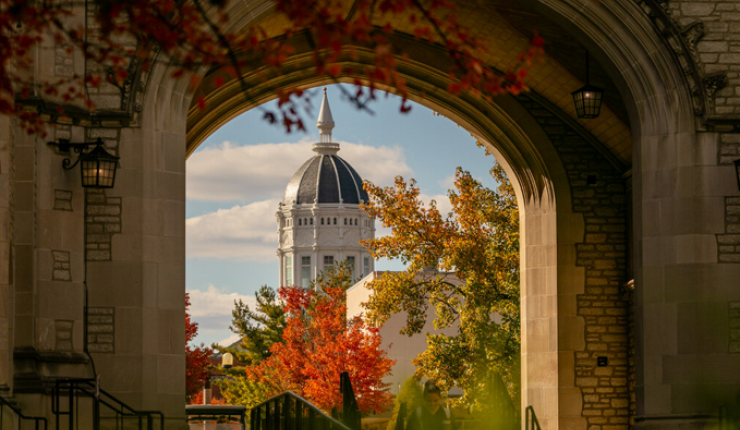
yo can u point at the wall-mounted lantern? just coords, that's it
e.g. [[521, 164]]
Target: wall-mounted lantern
[[588, 98], [97, 166]]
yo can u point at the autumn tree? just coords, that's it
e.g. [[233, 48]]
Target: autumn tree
[[477, 243], [196, 357], [195, 35], [258, 330], [319, 342]]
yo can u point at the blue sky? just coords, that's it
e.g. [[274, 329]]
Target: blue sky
[[237, 176]]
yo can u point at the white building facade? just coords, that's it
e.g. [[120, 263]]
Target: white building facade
[[320, 222]]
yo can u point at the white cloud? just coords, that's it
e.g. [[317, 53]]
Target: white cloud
[[211, 309], [442, 200], [246, 232], [447, 183], [214, 302], [229, 173]]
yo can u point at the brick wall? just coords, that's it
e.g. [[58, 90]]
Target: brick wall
[[598, 192]]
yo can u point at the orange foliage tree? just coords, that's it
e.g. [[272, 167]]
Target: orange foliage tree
[[196, 357], [319, 343], [194, 35]]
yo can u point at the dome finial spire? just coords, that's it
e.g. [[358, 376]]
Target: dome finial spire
[[325, 123]]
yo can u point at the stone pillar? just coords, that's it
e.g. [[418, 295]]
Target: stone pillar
[[136, 272]]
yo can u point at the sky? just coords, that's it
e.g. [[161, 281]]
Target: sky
[[237, 176]]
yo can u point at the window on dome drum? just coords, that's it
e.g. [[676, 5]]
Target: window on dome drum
[[345, 221], [288, 271], [322, 221], [299, 221], [335, 221], [328, 261], [305, 272], [351, 262], [366, 266], [355, 221], [311, 221]]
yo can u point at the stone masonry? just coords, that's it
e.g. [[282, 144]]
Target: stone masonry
[[734, 312], [101, 330], [63, 200], [598, 192], [729, 243], [103, 220], [61, 270], [718, 50], [63, 329]]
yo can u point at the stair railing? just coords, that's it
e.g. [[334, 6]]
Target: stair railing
[[530, 419], [4, 403], [288, 411], [103, 404]]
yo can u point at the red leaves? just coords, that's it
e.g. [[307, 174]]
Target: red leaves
[[194, 40], [318, 344], [196, 357]]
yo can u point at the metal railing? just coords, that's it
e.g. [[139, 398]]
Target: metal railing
[[103, 406], [5, 404], [530, 419], [288, 411]]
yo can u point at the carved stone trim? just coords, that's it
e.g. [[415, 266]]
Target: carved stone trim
[[683, 41], [132, 96]]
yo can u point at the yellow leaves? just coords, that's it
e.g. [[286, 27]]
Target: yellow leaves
[[479, 241]]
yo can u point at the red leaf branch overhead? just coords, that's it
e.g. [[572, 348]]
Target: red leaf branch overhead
[[197, 34]]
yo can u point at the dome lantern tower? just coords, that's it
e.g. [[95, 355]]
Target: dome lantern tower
[[320, 222]]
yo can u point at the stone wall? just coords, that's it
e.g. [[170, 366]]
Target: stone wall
[[729, 243], [718, 49], [101, 330], [598, 192], [102, 222]]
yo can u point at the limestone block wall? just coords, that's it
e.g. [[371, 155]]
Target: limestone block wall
[[729, 243], [599, 194], [717, 44], [6, 239]]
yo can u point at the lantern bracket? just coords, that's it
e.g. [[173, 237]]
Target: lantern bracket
[[98, 167], [64, 145]]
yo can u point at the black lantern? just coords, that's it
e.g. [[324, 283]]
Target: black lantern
[[737, 172], [97, 167], [588, 98]]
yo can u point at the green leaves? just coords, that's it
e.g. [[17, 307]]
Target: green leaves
[[464, 265]]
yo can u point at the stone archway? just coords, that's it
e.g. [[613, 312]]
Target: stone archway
[[555, 237], [552, 335], [549, 155]]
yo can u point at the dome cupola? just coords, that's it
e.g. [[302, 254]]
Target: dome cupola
[[325, 178], [320, 222]]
